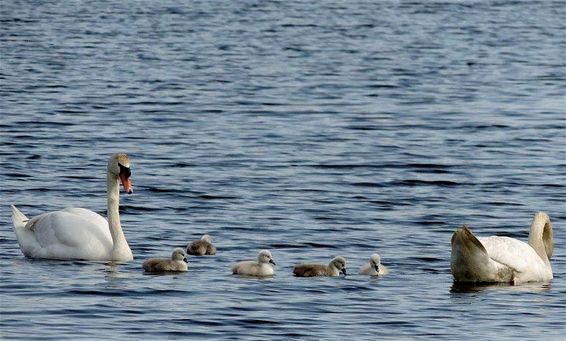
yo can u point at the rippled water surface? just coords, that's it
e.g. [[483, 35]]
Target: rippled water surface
[[312, 129]]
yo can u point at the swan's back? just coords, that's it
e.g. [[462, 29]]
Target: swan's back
[[470, 261], [311, 270], [72, 233], [200, 248], [517, 255], [245, 267], [334, 268], [164, 265], [177, 263]]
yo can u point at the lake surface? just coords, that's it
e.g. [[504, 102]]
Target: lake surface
[[311, 129]]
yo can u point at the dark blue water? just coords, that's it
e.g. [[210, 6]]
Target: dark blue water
[[312, 129]]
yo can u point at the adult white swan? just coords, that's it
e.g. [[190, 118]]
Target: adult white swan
[[503, 259], [78, 233]]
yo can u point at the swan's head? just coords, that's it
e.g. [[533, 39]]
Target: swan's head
[[375, 261], [179, 255], [206, 238], [264, 256], [119, 166], [339, 263]]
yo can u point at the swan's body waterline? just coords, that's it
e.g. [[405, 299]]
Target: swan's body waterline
[[78, 233], [503, 259]]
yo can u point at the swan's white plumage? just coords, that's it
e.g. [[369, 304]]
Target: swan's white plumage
[[519, 256], [72, 233], [77, 233], [504, 259]]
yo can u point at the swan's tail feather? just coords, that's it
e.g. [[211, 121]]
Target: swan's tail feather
[[465, 237], [18, 218], [469, 256]]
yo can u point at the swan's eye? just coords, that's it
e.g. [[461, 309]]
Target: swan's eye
[[125, 171]]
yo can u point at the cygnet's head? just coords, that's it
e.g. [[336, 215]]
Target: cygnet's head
[[339, 263], [119, 166], [178, 255], [375, 261], [206, 238], [264, 256]]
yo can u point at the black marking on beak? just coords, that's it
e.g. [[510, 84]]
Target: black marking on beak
[[343, 271], [125, 171], [376, 267], [272, 262], [185, 260]]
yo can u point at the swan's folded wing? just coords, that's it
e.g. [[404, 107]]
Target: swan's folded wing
[[366, 269], [65, 229], [198, 248], [91, 216], [513, 253], [246, 267], [309, 270]]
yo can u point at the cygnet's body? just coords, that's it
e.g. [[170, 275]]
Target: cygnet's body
[[202, 247], [261, 268], [177, 263], [336, 266], [374, 267]]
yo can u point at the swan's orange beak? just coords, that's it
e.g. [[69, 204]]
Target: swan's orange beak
[[127, 183]]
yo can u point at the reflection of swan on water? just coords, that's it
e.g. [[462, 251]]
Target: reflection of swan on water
[[467, 287], [503, 259]]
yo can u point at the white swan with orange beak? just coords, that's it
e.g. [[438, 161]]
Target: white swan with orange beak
[[78, 233], [503, 259]]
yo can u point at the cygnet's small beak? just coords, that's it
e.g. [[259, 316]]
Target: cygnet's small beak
[[185, 260], [272, 262], [343, 271], [376, 267]]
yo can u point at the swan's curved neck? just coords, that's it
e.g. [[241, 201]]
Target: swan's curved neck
[[121, 249], [540, 236]]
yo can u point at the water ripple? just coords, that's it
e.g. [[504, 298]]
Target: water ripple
[[312, 129]]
